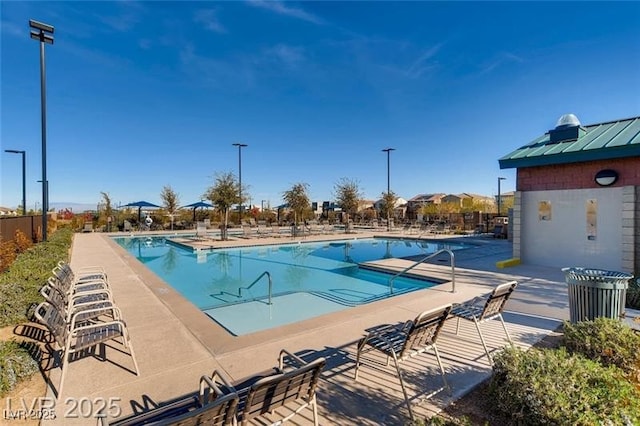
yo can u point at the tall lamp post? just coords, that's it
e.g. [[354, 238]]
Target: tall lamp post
[[388, 151], [240, 146], [24, 180], [43, 33], [499, 197]]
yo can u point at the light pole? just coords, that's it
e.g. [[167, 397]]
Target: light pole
[[388, 151], [24, 180], [499, 198], [43, 33], [240, 146]]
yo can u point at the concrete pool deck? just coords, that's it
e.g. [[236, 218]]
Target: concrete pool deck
[[175, 343]]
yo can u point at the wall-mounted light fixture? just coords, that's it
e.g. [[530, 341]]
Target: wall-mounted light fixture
[[606, 177]]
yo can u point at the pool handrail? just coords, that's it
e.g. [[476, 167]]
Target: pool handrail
[[254, 283], [408, 268]]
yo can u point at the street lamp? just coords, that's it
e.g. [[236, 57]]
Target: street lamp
[[24, 180], [388, 151], [43, 33], [499, 198], [240, 146]]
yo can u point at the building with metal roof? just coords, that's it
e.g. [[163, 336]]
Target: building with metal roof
[[577, 200]]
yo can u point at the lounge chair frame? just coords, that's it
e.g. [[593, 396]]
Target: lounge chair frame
[[285, 387], [215, 405], [478, 312], [407, 341], [72, 338]]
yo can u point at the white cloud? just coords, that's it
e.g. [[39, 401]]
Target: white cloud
[[208, 17], [289, 55], [500, 59], [13, 29], [282, 9], [236, 73], [423, 63], [144, 43]]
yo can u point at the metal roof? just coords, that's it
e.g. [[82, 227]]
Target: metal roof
[[602, 141]]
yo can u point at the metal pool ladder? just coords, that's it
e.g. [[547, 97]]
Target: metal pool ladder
[[255, 282], [405, 270]]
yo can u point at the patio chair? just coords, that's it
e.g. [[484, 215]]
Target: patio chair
[[83, 308], [214, 405], [201, 231], [72, 291], [248, 232], [406, 341], [75, 338], [485, 308], [84, 273], [71, 277], [288, 386]]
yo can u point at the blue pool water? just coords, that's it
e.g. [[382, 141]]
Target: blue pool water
[[308, 279]]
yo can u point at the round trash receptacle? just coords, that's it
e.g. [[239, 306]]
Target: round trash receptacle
[[596, 293]]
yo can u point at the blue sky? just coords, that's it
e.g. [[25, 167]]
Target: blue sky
[[146, 94]]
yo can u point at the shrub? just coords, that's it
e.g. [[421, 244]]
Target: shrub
[[22, 241], [8, 254], [553, 387], [20, 284], [16, 365], [633, 294], [607, 341]]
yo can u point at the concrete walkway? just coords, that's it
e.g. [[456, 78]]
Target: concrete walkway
[[175, 343]]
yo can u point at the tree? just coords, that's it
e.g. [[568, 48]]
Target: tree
[[170, 200], [347, 196], [388, 206], [223, 194], [108, 210], [298, 201]]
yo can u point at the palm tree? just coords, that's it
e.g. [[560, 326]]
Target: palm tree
[[223, 194], [298, 201], [170, 200], [347, 195]]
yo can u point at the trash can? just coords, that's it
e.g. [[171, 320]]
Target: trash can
[[596, 293]]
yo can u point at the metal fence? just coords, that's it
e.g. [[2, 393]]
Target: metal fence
[[29, 225]]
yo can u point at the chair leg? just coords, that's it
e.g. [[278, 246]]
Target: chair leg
[[482, 340], [315, 410], [127, 344], [444, 378], [360, 346], [505, 328], [457, 326], [404, 390], [64, 366]]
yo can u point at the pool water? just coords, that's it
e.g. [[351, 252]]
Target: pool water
[[307, 279]]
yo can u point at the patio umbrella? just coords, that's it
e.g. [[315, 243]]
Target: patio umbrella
[[140, 205], [196, 205]]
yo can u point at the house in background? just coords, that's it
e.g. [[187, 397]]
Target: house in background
[[416, 203], [577, 200], [5, 211]]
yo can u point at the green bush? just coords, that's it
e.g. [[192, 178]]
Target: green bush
[[16, 365], [633, 294], [608, 341], [553, 387], [20, 284]]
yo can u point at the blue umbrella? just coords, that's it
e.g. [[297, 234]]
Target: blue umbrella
[[140, 205], [196, 205]]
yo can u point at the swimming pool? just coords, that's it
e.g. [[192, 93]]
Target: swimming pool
[[307, 279]]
